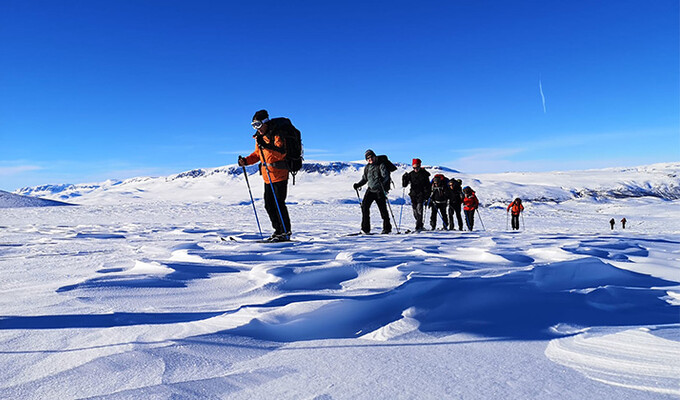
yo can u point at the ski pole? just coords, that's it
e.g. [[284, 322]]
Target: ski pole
[[507, 215], [358, 197], [403, 198], [245, 174], [271, 185], [387, 200], [523, 226], [480, 218]]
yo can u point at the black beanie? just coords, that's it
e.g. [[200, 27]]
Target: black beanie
[[261, 115], [369, 152]]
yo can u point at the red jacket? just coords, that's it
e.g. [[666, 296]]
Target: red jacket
[[471, 203], [516, 208]]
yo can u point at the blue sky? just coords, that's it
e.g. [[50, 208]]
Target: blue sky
[[92, 90]]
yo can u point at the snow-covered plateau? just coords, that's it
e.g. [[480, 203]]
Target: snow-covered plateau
[[133, 294]]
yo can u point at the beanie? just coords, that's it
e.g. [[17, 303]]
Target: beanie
[[416, 161], [261, 115], [369, 152]]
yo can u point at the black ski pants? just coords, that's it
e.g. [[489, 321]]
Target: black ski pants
[[470, 219], [381, 200], [438, 208], [417, 205], [455, 208], [514, 220], [280, 189]]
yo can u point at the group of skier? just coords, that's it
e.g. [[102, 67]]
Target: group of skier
[[444, 197], [277, 139]]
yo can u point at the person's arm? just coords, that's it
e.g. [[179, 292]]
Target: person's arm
[[252, 158], [362, 182]]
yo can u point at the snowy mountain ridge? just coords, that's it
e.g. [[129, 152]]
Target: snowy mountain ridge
[[328, 182]]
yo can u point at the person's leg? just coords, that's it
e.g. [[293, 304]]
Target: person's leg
[[384, 214], [445, 220], [433, 216], [281, 191], [270, 206], [458, 217], [417, 208], [369, 197]]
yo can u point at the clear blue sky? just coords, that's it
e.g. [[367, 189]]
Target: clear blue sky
[[91, 90]]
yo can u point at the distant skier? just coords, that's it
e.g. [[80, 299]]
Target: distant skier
[[419, 179], [270, 152], [623, 222], [439, 197], [612, 222], [470, 206], [515, 209], [377, 175], [455, 201]]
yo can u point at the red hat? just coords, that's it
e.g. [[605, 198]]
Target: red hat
[[416, 161]]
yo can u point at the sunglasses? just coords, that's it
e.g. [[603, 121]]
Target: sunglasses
[[258, 124]]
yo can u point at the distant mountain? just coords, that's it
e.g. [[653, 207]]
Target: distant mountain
[[10, 200], [331, 182]]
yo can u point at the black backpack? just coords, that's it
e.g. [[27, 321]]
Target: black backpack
[[383, 159], [293, 143], [390, 167]]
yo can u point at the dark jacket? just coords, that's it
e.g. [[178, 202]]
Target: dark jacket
[[420, 184], [456, 193], [377, 176], [440, 191]]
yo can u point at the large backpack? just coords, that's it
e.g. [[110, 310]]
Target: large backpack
[[382, 159], [293, 143]]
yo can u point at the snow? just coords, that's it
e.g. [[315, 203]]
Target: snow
[[10, 200], [135, 295]]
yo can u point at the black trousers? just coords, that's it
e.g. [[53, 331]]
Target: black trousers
[[470, 219], [281, 191], [380, 199], [436, 209], [515, 221], [417, 205], [455, 208]]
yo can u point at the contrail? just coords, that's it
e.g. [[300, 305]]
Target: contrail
[[540, 88]]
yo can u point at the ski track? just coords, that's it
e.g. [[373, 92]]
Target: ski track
[[86, 299]]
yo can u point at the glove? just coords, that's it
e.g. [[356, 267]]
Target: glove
[[241, 161], [356, 186], [260, 141], [404, 179]]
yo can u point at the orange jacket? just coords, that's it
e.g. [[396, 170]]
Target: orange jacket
[[516, 208], [270, 157]]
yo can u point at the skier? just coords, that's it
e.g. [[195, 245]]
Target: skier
[[455, 201], [438, 199], [470, 205], [623, 222], [612, 222], [270, 152], [517, 208], [377, 175], [419, 179]]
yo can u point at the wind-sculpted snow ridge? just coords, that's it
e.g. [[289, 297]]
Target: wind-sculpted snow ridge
[[114, 290], [10, 200]]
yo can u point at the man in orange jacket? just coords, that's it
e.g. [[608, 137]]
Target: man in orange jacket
[[515, 209], [270, 151]]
